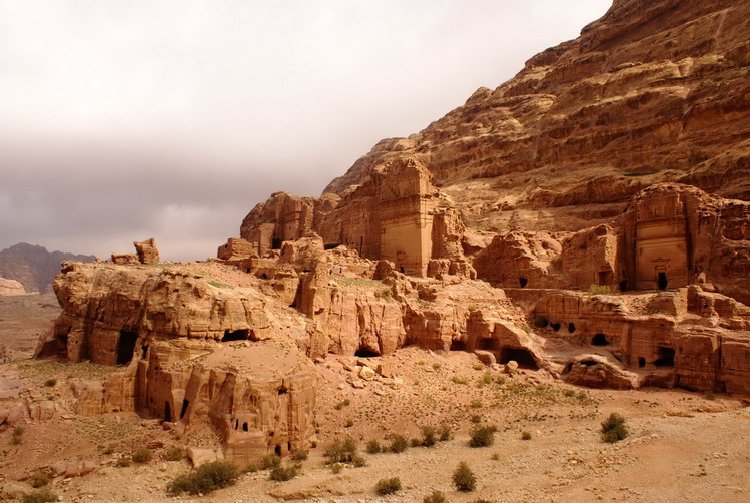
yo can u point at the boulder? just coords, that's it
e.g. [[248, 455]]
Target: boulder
[[147, 251], [596, 371]]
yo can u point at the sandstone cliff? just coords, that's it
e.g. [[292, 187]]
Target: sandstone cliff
[[10, 287], [33, 266], [652, 91]]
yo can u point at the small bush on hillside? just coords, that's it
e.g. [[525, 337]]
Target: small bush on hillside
[[43, 496], [445, 432], [600, 290], [483, 436], [526, 435], [269, 461], [373, 447], [485, 379], [358, 461], [398, 444], [173, 454], [142, 455], [340, 451], [463, 478], [299, 455], [17, 436], [429, 436], [614, 429], [50, 382], [388, 486], [342, 404], [435, 497], [205, 479], [283, 473], [39, 479]]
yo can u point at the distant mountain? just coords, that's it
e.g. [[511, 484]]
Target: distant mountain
[[33, 266]]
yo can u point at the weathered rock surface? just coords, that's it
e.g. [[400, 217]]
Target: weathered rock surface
[[595, 371], [33, 266], [396, 214], [652, 91], [147, 251], [11, 287]]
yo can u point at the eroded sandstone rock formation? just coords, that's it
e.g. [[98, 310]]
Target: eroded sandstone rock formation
[[396, 214], [536, 226], [11, 287], [653, 91]]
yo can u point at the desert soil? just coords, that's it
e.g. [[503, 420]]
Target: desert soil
[[683, 447]]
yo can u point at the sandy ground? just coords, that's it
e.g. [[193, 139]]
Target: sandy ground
[[683, 446]]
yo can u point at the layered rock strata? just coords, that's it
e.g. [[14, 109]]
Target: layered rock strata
[[11, 287], [651, 92]]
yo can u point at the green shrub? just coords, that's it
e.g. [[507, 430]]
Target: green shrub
[[388, 486], [39, 479], [398, 444], [142, 455], [485, 379], [435, 497], [483, 436], [43, 496], [173, 454], [50, 382], [342, 404], [476, 418], [464, 479], [206, 478], [476, 404], [445, 432], [614, 429], [269, 461], [526, 435], [299, 455], [282, 474], [340, 451], [358, 461], [373, 447], [336, 468], [429, 436], [349, 423], [600, 290], [459, 379]]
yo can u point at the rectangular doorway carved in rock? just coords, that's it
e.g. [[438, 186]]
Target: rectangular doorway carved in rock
[[126, 346]]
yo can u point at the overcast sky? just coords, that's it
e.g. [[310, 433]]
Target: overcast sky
[[121, 120]]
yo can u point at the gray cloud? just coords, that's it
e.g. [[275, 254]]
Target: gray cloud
[[123, 120]]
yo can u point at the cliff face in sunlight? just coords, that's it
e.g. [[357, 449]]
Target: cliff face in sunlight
[[653, 91]]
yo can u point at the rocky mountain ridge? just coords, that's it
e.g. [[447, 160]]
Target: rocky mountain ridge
[[651, 92], [33, 266]]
